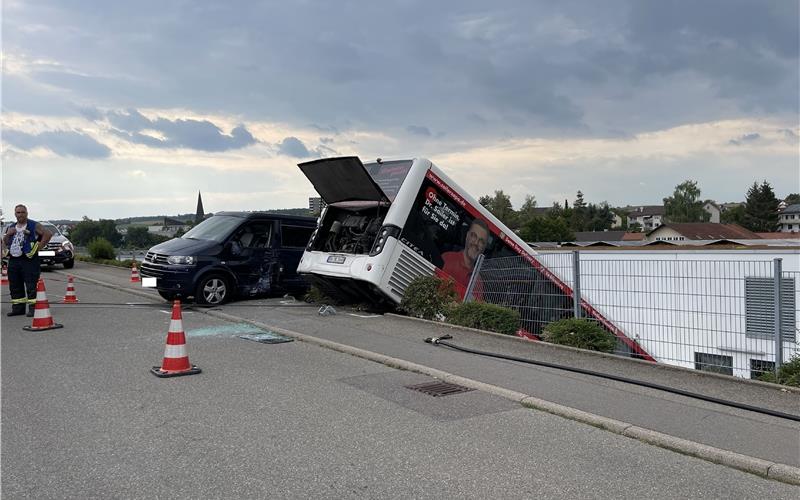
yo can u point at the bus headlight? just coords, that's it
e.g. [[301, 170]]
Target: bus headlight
[[383, 236]]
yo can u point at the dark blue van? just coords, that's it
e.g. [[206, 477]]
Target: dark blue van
[[232, 254]]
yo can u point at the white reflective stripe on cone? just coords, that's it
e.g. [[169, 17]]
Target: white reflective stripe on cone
[[175, 326], [41, 313], [40, 296], [175, 351]]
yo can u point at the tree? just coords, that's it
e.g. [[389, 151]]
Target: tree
[[761, 208], [793, 199], [733, 215], [579, 213], [88, 230], [526, 212], [685, 204], [138, 237], [599, 217], [500, 206], [546, 229]]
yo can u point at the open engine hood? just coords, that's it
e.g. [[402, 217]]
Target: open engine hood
[[342, 179]]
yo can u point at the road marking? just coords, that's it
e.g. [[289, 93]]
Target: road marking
[[365, 316]]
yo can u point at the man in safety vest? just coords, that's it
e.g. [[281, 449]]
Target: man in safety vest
[[22, 241]]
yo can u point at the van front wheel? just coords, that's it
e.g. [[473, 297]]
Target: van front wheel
[[213, 290]]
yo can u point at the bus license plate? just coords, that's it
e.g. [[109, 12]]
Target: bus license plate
[[336, 259]]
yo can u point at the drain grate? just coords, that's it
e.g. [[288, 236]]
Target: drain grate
[[437, 389]]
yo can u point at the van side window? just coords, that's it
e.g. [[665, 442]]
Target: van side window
[[296, 236], [256, 235]]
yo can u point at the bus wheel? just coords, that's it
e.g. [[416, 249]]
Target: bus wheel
[[213, 289]]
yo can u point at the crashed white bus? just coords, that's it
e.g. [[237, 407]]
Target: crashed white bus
[[388, 222]]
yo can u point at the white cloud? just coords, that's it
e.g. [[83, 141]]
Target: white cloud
[[624, 97]]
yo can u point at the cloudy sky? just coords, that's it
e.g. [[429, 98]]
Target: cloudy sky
[[115, 109]]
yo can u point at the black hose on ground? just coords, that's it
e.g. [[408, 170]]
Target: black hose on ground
[[756, 409]]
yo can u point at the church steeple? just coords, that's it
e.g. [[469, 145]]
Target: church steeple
[[199, 215]]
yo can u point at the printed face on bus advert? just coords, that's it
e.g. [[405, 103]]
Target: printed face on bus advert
[[475, 244]]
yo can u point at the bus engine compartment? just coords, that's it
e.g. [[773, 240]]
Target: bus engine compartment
[[348, 229]]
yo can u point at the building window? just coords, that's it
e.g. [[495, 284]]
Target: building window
[[713, 363], [759, 313], [759, 367]]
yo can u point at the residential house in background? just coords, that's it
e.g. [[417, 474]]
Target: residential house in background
[[713, 210], [673, 232], [648, 217], [168, 227], [789, 219], [618, 221]]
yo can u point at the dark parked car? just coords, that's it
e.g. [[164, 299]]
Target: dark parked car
[[232, 254]]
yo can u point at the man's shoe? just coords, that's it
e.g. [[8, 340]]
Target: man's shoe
[[31, 309], [16, 312]]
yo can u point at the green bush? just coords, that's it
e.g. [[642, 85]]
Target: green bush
[[109, 262], [485, 317], [428, 297], [315, 295], [581, 333], [101, 248], [788, 374]]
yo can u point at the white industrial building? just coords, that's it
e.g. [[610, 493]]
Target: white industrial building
[[697, 308]]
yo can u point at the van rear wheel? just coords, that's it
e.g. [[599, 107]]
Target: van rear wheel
[[213, 290]]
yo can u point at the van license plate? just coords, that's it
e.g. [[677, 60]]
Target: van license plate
[[336, 259]]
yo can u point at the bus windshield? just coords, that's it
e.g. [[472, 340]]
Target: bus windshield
[[389, 175], [216, 228]]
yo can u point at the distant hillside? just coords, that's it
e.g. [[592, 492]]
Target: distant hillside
[[154, 219]]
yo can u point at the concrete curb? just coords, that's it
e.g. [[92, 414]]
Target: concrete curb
[[764, 468]]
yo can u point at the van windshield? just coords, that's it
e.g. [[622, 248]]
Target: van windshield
[[217, 228]]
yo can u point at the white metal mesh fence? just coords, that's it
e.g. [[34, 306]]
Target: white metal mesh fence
[[708, 315]]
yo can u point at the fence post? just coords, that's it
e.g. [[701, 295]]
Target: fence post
[[473, 278], [576, 288], [777, 274]]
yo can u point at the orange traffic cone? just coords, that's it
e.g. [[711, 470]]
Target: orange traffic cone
[[4, 279], [70, 297], [42, 320], [134, 274], [176, 361]]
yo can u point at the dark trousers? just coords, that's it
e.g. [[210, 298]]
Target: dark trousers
[[23, 274]]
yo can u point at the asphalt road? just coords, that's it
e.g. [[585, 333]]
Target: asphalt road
[[82, 416]]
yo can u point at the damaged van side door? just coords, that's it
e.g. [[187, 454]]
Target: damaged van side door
[[252, 257]]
